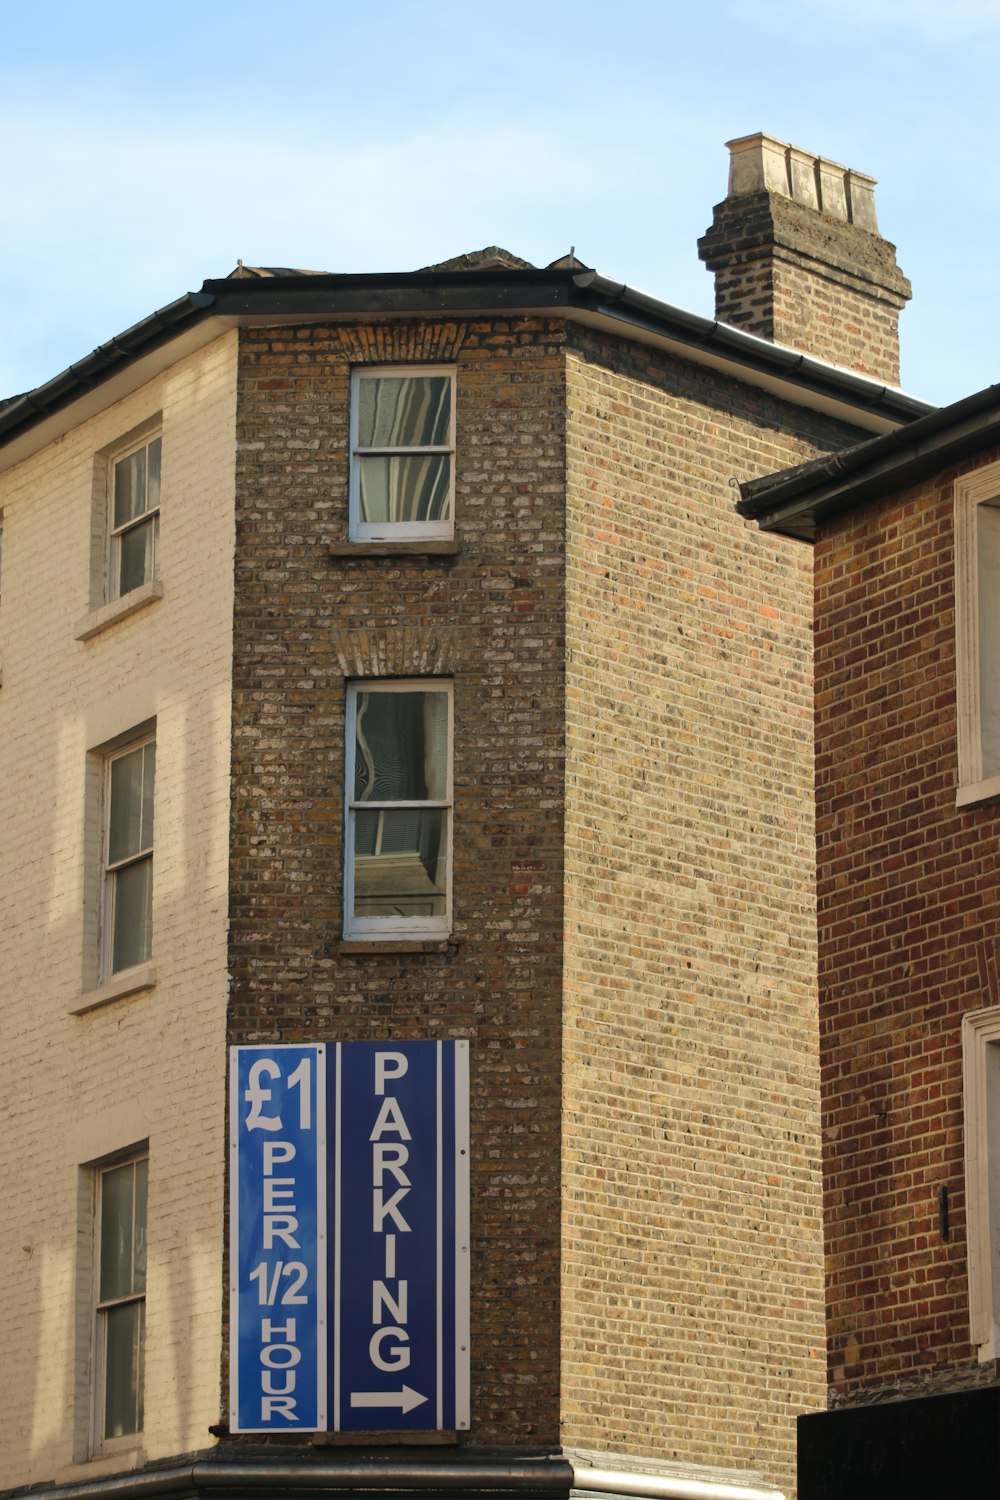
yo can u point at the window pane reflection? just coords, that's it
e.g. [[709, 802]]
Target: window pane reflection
[[133, 915], [116, 1233], [130, 828], [404, 411], [137, 555], [123, 1369], [130, 487], [401, 747], [401, 863], [412, 487]]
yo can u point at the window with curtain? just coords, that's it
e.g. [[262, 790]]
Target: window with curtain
[[399, 797], [402, 454]]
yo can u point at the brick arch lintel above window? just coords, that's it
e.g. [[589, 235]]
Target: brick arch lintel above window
[[417, 342], [399, 652]]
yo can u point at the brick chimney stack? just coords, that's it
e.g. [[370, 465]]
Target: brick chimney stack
[[798, 258]]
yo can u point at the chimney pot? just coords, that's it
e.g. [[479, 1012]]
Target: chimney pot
[[798, 257], [832, 189], [861, 201], [805, 184], [757, 163]]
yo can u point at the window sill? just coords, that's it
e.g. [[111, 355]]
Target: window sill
[[109, 614], [428, 547], [128, 982], [360, 947], [978, 791]]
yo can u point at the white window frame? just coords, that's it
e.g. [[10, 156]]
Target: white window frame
[[398, 531], [972, 491], [981, 1071], [110, 870], [101, 1444], [397, 927], [148, 517]]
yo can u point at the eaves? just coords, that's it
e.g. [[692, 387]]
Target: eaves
[[796, 501], [127, 361]]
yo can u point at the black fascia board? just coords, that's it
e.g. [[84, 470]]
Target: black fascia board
[[795, 501], [371, 293], [417, 292]]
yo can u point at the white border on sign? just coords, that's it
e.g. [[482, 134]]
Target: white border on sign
[[337, 1096], [439, 1235], [321, 1238], [463, 1278]]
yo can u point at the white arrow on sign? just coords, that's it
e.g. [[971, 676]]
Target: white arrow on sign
[[406, 1399]]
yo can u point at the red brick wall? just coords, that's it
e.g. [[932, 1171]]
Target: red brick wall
[[908, 914]]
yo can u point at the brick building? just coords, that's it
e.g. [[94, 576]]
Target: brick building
[[477, 714], [908, 776]]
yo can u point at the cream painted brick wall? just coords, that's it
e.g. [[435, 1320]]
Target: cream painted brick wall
[[80, 1087]]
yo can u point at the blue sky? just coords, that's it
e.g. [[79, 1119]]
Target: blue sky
[[147, 148]]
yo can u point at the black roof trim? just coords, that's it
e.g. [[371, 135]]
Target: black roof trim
[[416, 293], [443, 293], [153, 331], [795, 501], [746, 349]]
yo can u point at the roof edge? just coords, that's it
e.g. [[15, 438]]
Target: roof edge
[[150, 333], [447, 293], [761, 354], [795, 501]]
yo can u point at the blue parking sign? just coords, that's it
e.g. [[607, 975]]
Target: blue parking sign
[[399, 1242], [277, 1239], [349, 1237]]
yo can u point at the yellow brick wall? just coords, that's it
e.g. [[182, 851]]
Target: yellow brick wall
[[79, 1087], [692, 1291]]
